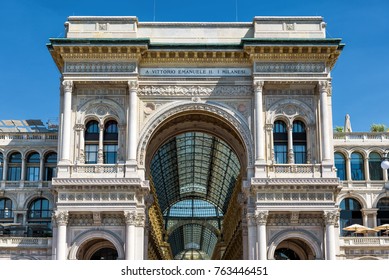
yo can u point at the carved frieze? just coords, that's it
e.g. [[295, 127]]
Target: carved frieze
[[99, 67], [86, 197], [130, 217], [170, 90], [290, 67]]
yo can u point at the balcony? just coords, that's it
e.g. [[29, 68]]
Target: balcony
[[97, 170], [25, 184], [23, 137], [342, 137], [365, 241], [299, 170], [25, 242]]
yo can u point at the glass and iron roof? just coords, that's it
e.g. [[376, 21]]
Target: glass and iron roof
[[194, 175]]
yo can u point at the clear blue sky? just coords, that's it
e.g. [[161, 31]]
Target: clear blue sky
[[29, 80]]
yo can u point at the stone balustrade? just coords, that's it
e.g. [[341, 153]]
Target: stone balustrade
[[28, 242]]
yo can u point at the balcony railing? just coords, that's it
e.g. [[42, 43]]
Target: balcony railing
[[23, 136], [30, 242], [361, 136], [365, 241], [301, 170]]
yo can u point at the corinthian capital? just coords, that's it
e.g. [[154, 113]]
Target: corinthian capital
[[325, 86], [330, 217], [67, 85], [130, 217], [258, 85], [261, 217], [133, 85], [140, 220], [61, 217]]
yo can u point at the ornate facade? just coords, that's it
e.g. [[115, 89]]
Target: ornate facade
[[193, 141]]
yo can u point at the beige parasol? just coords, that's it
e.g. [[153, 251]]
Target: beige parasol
[[383, 227], [355, 228]]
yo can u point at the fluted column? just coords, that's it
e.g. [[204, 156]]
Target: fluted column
[[324, 88], [61, 218], [259, 124], [330, 219], [130, 218], [80, 129], [132, 121], [67, 119], [261, 219], [252, 236], [100, 155]]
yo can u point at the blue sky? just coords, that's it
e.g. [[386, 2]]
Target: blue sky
[[29, 79]]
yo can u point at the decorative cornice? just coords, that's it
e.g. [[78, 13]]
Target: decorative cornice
[[289, 67], [96, 182], [295, 182], [99, 67], [190, 90]]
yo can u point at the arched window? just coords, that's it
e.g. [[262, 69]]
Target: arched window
[[280, 137], [340, 164], [50, 166], [299, 142], [375, 170], [110, 142], [33, 161], [383, 211], [1, 166], [91, 142], [39, 218], [6, 214], [357, 168], [350, 213], [14, 167]]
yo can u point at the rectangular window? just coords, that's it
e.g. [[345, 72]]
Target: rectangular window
[[281, 153], [300, 154], [91, 154], [32, 173], [14, 173], [1, 172], [50, 172], [110, 154]]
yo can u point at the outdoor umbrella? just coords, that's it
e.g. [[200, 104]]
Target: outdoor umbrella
[[366, 230], [355, 227], [383, 227]]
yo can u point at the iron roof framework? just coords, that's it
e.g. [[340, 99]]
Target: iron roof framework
[[194, 175]]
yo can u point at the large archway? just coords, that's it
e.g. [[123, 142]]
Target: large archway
[[97, 249], [195, 162]]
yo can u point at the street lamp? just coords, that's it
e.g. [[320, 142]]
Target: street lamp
[[385, 166]]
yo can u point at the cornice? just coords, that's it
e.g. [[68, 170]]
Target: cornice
[[297, 183], [193, 57], [96, 182]]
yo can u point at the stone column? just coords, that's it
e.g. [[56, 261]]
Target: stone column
[[80, 128], [252, 236], [23, 170], [348, 169], [366, 168], [261, 219], [290, 144], [54, 238], [132, 121], [324, 88], [130, 218], [330, 218], [100, 155], [139, 236], [67, 119], [61, 218], [5, 167], [259, 124]]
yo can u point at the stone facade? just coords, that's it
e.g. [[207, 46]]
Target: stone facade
[[264, 88]]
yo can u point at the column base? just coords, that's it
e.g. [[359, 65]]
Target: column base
[[260, 169]]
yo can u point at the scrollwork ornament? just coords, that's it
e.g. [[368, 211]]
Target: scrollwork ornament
[[140, 220]]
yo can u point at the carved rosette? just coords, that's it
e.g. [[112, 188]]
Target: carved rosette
[[261, 217], [79, 127], [61, 217], [331, 217], [67, 85], [130, 217]]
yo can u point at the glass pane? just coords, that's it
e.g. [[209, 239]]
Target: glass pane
[[375, 169], [32, 174], [110, 154], [340, 164], [15, 158], [51, 158], [281, 153], [14, 173], [357, 168], [91, 154], [33, 158]]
